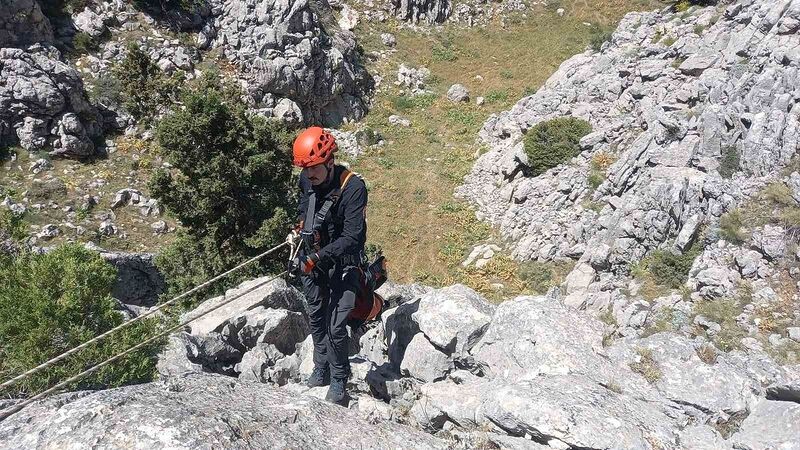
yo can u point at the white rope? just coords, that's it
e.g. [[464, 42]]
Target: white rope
[[147, 314], [15, 408]]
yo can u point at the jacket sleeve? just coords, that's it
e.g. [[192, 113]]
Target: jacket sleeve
[[354, 202], [302, 205]]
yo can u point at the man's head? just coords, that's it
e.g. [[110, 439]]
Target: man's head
[[313, 151]]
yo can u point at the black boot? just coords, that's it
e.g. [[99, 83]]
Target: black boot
[[336, 391], [319, 377]]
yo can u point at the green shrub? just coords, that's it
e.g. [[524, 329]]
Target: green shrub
[[779, 194], [553, 142], [230, 186], [599, 37], [668, 41], [83, 43], [497, 95], [146, 89], [52, 302], [106, 90], [729, 164], [670, 269]]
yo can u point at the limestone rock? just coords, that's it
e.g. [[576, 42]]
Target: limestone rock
[[424, 361], [196, 411], [275, 294], [458, 93], [43, 104], [453, 318]]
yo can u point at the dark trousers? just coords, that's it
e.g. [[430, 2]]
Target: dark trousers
[[331, 296]]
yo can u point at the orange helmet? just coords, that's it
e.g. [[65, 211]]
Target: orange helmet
[[313, 146]]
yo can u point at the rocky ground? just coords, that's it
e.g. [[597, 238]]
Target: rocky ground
[[678, 327], [441, 369]]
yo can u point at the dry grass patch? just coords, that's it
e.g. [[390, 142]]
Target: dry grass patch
[[646, 365]]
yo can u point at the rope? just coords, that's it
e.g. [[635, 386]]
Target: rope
[[6, 413], [147, 314]]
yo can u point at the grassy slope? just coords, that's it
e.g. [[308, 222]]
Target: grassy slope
[[412, 214]]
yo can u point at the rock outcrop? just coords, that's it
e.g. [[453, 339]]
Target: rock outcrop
[[292, 56], [43, 104], [201, 411], [669, 99], [22, 23]]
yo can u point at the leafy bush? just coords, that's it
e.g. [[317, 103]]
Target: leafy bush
[[83, 43], [670, 269], [599, 37], [230, 186], [729, 164], [52, 302], [146, 89], [553, 142]]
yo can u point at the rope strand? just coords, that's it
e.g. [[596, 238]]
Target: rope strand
[[152, 311], [15, 408]]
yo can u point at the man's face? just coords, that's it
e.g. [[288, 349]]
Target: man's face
[[319, 173]]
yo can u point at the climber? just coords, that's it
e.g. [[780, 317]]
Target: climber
[[332, 224]]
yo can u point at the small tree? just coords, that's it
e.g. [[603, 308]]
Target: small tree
[[147, 90], [230, 185], [553, 142], [52, 302]]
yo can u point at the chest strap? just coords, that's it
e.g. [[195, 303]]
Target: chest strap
[[314, 221]]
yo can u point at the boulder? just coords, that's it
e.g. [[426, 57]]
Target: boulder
[[573, 412], [423, 361], [415, 11], [400, 330], [719, 389], [770, 424], [138, 280], [275, 294], [22, 23], [201, 411], [279, 327], [458, 93], [453, 318], [294, 59]]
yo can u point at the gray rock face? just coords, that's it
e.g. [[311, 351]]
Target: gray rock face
[[279, 327], [770, 425], [271, 295], [666, 131], [293, 50], [423, 361], [453, 318], [195, 412], [43, 104], [22, 23], [415, 11], [571, 412], [138, 281]]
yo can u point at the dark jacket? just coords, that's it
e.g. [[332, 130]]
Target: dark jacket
[[345, 233]]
